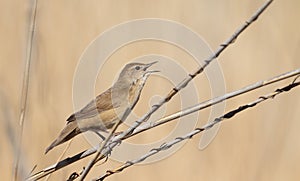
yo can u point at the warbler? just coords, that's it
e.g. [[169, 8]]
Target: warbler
[[106, 109]]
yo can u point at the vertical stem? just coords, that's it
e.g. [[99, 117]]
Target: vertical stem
[[24, 93]]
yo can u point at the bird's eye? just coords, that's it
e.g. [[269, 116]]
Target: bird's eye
[[137, 67]]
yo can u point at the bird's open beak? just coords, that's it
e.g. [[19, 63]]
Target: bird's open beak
[[149, 65], [152, 71]]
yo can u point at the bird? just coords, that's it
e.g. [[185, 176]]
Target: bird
[[101, 114]]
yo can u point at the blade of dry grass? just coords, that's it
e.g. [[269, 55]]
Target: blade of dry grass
[[25, 86]]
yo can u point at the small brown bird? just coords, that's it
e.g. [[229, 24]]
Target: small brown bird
[[107, 108]]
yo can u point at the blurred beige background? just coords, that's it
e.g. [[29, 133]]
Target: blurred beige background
[[259, 144]]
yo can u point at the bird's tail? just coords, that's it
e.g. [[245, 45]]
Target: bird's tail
[[70, 130]]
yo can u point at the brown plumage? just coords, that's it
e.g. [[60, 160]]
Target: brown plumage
[[107, 108]]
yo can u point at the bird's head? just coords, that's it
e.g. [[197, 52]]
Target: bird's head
[[136, 71]]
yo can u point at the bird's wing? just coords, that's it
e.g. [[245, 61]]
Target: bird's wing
[[102, 103]]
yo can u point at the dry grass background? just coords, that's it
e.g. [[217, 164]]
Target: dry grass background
[[260, 144]]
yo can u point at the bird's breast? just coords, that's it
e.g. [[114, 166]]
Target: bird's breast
[[134, 93]]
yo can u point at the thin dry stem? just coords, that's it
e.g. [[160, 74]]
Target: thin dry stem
[[61, 156], [100, 149], [24, 93]]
